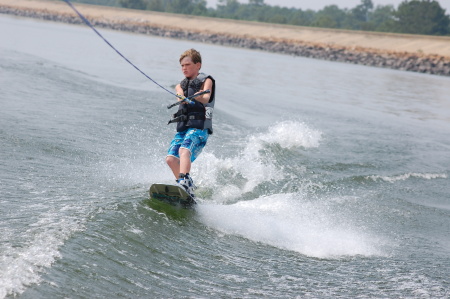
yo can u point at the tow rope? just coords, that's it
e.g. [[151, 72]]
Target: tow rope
[[117, 51]]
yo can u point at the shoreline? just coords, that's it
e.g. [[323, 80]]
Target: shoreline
[[423, 54]]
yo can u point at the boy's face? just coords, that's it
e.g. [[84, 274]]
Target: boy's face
[[189, 68]]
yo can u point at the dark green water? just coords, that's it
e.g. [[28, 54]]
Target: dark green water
[[321, 180]]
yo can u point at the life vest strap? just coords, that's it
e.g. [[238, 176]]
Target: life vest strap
[[183, 117]]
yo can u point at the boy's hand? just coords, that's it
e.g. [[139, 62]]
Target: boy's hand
[[184, 100], [181, 98]]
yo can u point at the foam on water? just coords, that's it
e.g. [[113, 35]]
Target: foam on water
[[291, 222], [22, 264], [406, 176], [289, 134], [285, 220], [255, 164]]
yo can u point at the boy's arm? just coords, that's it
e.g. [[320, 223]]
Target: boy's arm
[[179, 91], [204, 99]]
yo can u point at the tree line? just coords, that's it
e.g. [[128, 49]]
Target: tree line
[[414, 17]]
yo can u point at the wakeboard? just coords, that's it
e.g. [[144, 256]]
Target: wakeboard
[[171, 194]]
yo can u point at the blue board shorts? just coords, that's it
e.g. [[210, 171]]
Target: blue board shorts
[[193, 140]]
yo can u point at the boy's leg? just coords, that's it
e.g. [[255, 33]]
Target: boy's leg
[[173, 155], [174, 164], [194, 142], [185, 161]]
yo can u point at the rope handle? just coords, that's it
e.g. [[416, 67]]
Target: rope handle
[[187, 99]]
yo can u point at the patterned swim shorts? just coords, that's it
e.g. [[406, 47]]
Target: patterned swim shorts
[[192, 139]]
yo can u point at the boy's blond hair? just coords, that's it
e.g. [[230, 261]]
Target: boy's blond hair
[[193, 54]]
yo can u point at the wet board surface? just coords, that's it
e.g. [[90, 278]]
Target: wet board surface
[[171, 194]]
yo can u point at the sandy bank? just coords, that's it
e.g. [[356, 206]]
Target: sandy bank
[[426, 54]]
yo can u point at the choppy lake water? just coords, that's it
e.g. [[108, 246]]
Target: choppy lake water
[[321, 180]]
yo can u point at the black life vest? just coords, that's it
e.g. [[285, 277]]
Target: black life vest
[[196, 115]]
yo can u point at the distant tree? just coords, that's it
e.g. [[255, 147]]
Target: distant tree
[[302, 18], [367, 4], [134, 4], [188, 7], [360, 15], [411, 16], [256, 2], [281, 15], [228, 8], [382, 18], [421, 17], [330, 16], [200, 8], [156, 5], [278, 19], [363, 10], [99, 2]]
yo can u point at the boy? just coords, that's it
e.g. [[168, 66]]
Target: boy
[[194, 121]]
